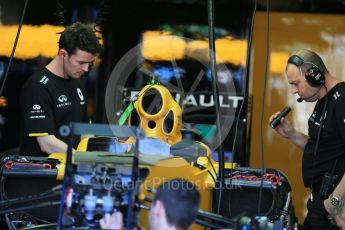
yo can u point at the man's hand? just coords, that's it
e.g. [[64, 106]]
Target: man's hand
[[50, 144], [328, 206], [113, 221], [286, 130]]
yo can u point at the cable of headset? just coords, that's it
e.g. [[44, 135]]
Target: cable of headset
[[318, 136]]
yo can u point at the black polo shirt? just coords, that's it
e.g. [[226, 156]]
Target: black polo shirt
[[47, 103], [331, 150]]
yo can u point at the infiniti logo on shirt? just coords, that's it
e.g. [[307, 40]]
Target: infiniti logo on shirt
[[64, 101], [36, 107], [62, 98], [36, 112]]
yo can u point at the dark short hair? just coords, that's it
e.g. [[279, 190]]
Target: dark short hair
[[181, 201], [79, 36]]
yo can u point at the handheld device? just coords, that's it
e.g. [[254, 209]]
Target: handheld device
[[275, 122]]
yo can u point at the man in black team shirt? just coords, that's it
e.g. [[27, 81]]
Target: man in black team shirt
[[324, 146], [55, 95]]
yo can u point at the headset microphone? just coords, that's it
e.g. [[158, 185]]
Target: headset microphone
[[300, 99]]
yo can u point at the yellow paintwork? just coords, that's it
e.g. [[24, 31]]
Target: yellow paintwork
[[163, 46], [82, 146], [31, 44], [177, 168], [61, 167], [168, 105], [38, 134]]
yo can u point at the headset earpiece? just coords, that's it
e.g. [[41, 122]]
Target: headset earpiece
[[314, 76], [63, 53]]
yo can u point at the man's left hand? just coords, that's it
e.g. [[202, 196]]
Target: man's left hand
[[328, 206]]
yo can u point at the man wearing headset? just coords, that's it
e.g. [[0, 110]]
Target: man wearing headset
[[323, 163], [54, 96]]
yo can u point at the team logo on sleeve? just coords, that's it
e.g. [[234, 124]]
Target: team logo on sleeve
[[81, 96], [44, 80], [37, 112], [63, 101], [336, 95]]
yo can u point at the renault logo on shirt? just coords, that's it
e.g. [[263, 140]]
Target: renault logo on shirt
[[81, 96], [62, 98], [64, 101]]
